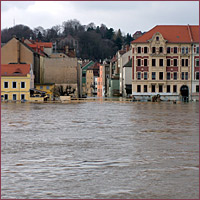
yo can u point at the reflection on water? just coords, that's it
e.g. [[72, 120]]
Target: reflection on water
[[100, 150]]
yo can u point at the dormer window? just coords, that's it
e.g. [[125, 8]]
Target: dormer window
[[157, 38], [161, 50], [153, 49], [168, 49]]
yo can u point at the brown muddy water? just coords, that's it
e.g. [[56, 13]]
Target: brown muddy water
[[104, 150]]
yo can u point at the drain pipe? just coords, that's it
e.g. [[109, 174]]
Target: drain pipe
[[192, 49]]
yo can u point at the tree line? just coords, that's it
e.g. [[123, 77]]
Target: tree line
[[93, 42]]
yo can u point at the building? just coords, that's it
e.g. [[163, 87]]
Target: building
[[162, 62], [40, 47], [62, 71], [16, 82], [84, 68], [127, 79], [195, 72], [123, 59], [15, 51], [48, 88], [101, 82], [92, 74]]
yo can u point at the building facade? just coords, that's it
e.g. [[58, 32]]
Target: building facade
[[16, 82], [162, 63]]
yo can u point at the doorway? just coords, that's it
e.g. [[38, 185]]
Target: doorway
[[184, 91]]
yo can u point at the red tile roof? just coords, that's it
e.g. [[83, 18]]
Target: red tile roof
[[15, 69], [172, 33], [45, 44]]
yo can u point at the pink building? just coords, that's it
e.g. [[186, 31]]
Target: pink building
[[100, 82]]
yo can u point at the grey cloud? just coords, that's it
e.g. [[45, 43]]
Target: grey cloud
[[6, 5]]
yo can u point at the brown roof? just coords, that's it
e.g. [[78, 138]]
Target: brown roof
[[15, 69], [172, 33]]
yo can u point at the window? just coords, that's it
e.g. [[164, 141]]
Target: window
[[47, 87], [168, 49], [14, 84], [175, 49], [145, 62], [5, 84], [197, 49], [160, 88], [160, 75], [22, 84], [186, 75], [175, 75], [139, 75], [168, 75], [197, 75], [186, 62], [197, 88], [153, 88], [175, 62], [153, 62], [182, 75], [161, 62], [138, 88], [22, 96], [174, 88], [183, 50], [5, 96], [139, 49], [186, 50], [41, 87], [153, 75], [145, 88], [14, 97], [168, 62], [145, 50], [182, 62], [145, 75], [161, 50], [168, 88], [197, 62], [157, 38], [153, 49], [139, 62]]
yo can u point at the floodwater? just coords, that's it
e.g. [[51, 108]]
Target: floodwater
[[104, 150]]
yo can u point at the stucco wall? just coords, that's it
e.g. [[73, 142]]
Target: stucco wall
[[13, 50], [60, 70]]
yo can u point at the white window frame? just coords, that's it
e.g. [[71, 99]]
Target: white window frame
[[4, 84], [13, 97], [16, 84], [24, 97], [4, 96], [24, 85]]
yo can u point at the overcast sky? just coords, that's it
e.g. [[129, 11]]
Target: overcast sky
[[129, 16]]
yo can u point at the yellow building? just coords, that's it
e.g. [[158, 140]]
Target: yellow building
[[46, 87], [16, 82]]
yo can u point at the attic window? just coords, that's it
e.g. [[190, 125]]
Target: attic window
[[18, 71], [157, 38]]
